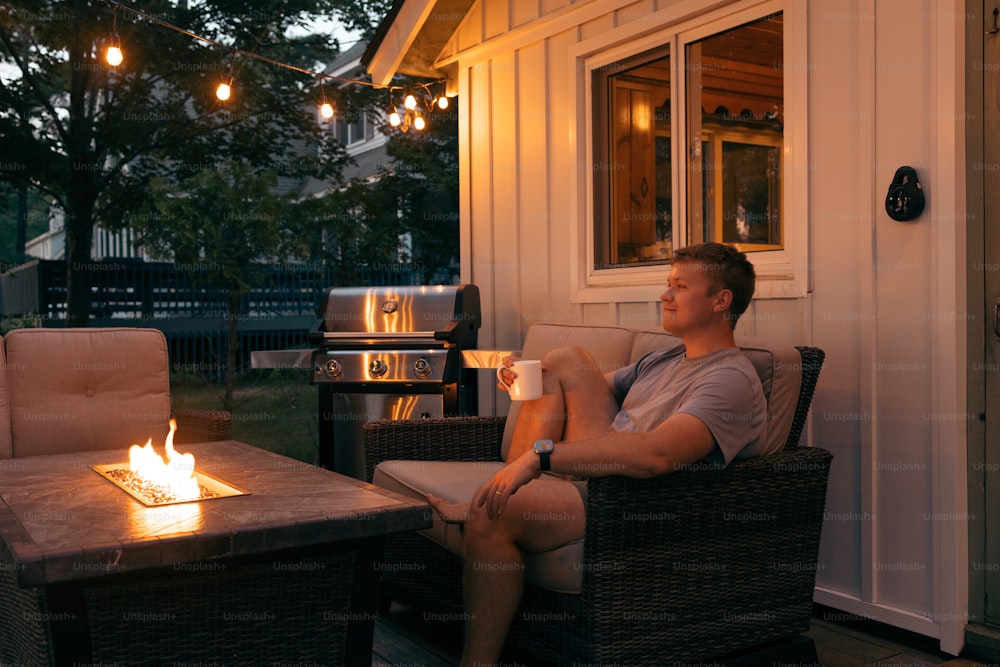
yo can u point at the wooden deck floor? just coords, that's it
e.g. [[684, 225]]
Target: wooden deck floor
[[404, 639]]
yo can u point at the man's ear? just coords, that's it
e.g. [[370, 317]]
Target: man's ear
[[723, 299]]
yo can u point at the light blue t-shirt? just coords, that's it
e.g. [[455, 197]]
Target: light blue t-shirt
[[722, 389]]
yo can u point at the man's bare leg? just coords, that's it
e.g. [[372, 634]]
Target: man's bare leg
[[576, 402], [542, 515]]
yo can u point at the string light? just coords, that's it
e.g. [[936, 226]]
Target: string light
[[325, 109], [114, 54], [225, 88], [224, 91], [394, 118], [412, 116]]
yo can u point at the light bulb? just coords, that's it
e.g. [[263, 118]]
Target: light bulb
[[223, 91], [114, 56], [326, 109], [419, 123], [410, 102], [442, 102], [394, 119]]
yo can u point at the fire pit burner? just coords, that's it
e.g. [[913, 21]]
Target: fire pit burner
[[154, 495]]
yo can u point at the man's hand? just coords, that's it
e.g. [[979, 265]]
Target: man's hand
[[495, 493], [505, 375]]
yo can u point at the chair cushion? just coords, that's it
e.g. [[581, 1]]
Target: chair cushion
[[86, 389], [610, 347], [557, 570], [6, 449], [780, 370]]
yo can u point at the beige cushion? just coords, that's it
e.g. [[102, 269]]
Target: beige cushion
[[86, 389], [455, 481], [610, 347], [780, 370], [6, 450]]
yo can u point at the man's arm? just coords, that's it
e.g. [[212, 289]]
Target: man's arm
[[681, 440]]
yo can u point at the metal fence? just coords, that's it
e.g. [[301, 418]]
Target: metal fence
[[276, 314]]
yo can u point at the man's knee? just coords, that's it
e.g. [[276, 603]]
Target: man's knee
[[570, 360], [481, 528]]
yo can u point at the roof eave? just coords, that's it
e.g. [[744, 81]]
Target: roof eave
[[410, 38]]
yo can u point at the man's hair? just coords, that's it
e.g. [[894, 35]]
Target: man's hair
[[726, 268]]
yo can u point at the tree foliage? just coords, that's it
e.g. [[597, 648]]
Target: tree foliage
[[415, 194], [92, 138], [122, 146], [220, 226]]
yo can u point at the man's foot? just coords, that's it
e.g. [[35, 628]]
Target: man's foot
[[450, 512]]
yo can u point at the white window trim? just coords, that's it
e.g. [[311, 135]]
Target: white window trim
[[355, 147], [782, 273]]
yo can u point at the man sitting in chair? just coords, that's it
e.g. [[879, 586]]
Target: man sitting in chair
[[669, 410]]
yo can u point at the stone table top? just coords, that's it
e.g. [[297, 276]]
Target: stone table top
[[61, 521]]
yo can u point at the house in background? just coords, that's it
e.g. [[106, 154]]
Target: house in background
[[52, 244], [357, 133], [597, 135]]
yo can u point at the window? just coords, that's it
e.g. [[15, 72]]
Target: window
[[354, 127], [633, 165], [725, 102]]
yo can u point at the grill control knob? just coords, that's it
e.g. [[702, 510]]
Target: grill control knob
[[377, 368], [333, 368], [422, 367]]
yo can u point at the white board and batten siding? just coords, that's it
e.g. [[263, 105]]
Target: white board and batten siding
[[877, 85]]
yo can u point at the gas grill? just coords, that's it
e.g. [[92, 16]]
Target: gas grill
[[390, 353]]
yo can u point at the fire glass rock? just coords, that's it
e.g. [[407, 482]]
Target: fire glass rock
[[153, 494]]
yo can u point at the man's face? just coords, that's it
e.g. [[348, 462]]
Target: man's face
[[687, 302]]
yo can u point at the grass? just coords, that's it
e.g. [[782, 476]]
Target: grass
[[272, 409]]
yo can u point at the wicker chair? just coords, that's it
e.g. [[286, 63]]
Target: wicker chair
[[699, 565]]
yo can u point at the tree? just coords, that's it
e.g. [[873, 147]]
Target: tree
[[416, 195], [220, 227], [425, 183], [22, 215], [92, 138]]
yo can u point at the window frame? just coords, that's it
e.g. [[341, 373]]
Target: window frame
[[782, 273]]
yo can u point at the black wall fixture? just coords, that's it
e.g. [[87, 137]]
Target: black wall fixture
[[905, 200]]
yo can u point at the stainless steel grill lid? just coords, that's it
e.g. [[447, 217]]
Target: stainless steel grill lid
[[399, 316]]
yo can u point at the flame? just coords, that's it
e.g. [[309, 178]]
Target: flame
[[176, 473]]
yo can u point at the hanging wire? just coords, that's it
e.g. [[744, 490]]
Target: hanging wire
[[410, 115], [233, 50]]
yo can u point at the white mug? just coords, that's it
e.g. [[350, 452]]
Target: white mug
[[527, 386]]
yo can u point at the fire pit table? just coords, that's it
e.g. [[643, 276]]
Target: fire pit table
[[285, 573]]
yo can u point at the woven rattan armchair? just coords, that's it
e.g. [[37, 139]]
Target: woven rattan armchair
[[698, 565]]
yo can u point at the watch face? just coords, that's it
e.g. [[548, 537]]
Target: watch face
[[543, 446]]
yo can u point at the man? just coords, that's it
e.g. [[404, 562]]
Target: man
[[668, 410]]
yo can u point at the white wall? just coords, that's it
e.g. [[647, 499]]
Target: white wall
[[883, 298]]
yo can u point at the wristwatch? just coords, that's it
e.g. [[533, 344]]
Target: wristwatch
[[544, 450]]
